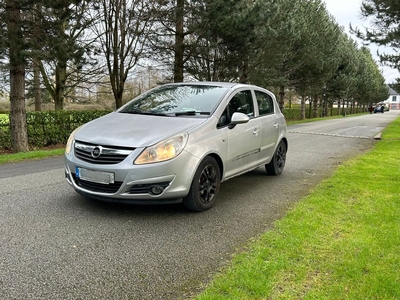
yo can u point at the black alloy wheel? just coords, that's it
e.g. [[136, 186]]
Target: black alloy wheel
[[276, 165], [205, 186]]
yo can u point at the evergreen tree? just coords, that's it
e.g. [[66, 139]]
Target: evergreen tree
[[64, 50], [15, 47], [385, 28]]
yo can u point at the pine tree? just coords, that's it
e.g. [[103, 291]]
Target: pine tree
[[15, 47], [385, 28], [63, 48]]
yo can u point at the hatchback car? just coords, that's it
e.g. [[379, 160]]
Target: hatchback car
[[177, 143]]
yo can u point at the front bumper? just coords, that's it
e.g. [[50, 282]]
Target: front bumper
[[165, 182]]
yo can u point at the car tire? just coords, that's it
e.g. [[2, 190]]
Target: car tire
[[277, 163], [205, 186]]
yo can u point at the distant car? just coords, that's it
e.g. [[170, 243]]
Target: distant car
[[177, 143], [379, 109]]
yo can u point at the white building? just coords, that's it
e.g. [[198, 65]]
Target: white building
[[394, 100]]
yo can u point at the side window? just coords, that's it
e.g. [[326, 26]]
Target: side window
[[224, 119], [265, 103], [240, 102]]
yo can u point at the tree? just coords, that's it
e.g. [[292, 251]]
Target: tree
[[385, 29], [16, 48], [300, 49], [320, 53], [176, 33], [344, 80], [36, 32], [63, 49], [123, 32], [371, 86], [226, 46]]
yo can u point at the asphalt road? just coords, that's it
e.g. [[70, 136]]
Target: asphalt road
[[55, 244]]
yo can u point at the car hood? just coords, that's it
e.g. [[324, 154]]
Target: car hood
[[133, 130]]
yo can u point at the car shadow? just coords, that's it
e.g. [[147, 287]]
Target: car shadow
[[116, 208], [231, 192]]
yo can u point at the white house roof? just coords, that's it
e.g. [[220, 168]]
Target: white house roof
[[392, 92]]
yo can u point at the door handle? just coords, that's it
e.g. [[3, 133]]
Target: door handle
[[256, 131]]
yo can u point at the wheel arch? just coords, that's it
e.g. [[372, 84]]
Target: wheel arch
[[286, 142], [219, 162]]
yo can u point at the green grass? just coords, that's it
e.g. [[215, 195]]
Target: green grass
[[4, 117], [37, 154], [340, 242]]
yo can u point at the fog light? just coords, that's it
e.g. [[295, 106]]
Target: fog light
[[156, 190]]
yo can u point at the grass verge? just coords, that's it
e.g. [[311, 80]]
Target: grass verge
[[340, 242], [37, 154]]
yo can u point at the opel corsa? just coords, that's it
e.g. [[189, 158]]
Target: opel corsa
[[177, 143]]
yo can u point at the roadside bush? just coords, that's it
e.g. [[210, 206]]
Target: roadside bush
[[5, 137], [292, 113], [49, 128], [54, 127]]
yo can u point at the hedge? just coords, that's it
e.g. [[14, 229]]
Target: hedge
[[54, 127], [48, 128]]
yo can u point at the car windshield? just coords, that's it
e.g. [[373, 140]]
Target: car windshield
[[177, 100]]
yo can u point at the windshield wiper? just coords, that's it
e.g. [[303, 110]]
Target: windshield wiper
[[185, 113], [132, 111], [191, 113], [138, 111]]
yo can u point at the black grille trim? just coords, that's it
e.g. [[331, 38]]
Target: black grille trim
[[111, 188]]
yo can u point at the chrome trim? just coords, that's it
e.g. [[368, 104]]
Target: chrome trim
[[103, 150]]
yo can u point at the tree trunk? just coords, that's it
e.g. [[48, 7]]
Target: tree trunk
[[179, 47], [282, 98], [325, 109], [61, 77], [37, 93], [315, 106], [303, 107], [118, 98], [343, 109], [290, 98], [18, 126], [244, 69]]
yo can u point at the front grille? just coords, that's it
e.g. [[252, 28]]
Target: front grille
[[145, 188], [96, 154], [97, 187]]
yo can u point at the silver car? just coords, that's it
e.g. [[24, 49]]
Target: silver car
[[177, 143]]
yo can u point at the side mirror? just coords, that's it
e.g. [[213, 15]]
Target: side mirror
[[238, 118]]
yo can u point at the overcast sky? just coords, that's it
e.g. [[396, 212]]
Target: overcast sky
[[348, 11]]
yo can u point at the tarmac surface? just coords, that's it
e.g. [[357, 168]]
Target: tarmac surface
[[55, 244]]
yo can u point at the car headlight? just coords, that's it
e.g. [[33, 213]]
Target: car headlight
[[70, 141], [163, 151]]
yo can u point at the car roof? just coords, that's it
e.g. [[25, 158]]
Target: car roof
[[212, 83]]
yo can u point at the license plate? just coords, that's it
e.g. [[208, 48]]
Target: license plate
[[94, 176]]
